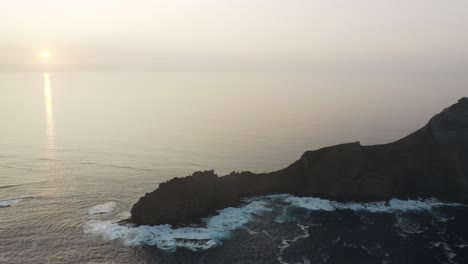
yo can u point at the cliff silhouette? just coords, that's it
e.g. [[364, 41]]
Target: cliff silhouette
[[431, 162]]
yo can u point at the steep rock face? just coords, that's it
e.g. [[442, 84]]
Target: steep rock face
[[431, 162], [341, 169]]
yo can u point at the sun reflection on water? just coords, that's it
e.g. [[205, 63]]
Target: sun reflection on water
[[50, 132]]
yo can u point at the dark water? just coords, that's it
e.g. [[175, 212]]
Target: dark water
[[286, 229], [72, 141]]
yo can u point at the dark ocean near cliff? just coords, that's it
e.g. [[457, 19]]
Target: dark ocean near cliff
[[77, 150]]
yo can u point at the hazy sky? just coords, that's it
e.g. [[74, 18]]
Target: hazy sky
[[160, 32]]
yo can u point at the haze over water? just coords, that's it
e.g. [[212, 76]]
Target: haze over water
[[71, 141], [100, 101]]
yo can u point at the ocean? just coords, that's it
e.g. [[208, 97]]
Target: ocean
[[77, 150]]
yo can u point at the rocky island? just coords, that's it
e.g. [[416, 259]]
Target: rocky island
[[431, 162]]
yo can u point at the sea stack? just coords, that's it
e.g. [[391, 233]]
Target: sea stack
[[431, 162]]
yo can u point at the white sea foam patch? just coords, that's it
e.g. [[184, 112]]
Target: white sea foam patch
[[10, 202], [394, 205], [166, 237], [101, 209], [13, 201]]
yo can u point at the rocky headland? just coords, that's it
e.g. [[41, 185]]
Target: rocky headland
[[431, 162]]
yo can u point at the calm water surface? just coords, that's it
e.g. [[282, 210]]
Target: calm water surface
[[71, 141]]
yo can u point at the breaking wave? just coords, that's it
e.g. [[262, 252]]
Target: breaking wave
[[101, 209], [166, 237], [392, 206], [10, 202], [221, 226]]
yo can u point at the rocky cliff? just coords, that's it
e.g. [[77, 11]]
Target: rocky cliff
[[431, 162]]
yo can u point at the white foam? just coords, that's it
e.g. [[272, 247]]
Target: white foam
[[10, 202], [408, 225], [104, 208], [314, 204], [220, 227], [166, 237], [288, 242], [394, 205], [447, 250]]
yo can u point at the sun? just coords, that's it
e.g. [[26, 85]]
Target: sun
[[44, 54]]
